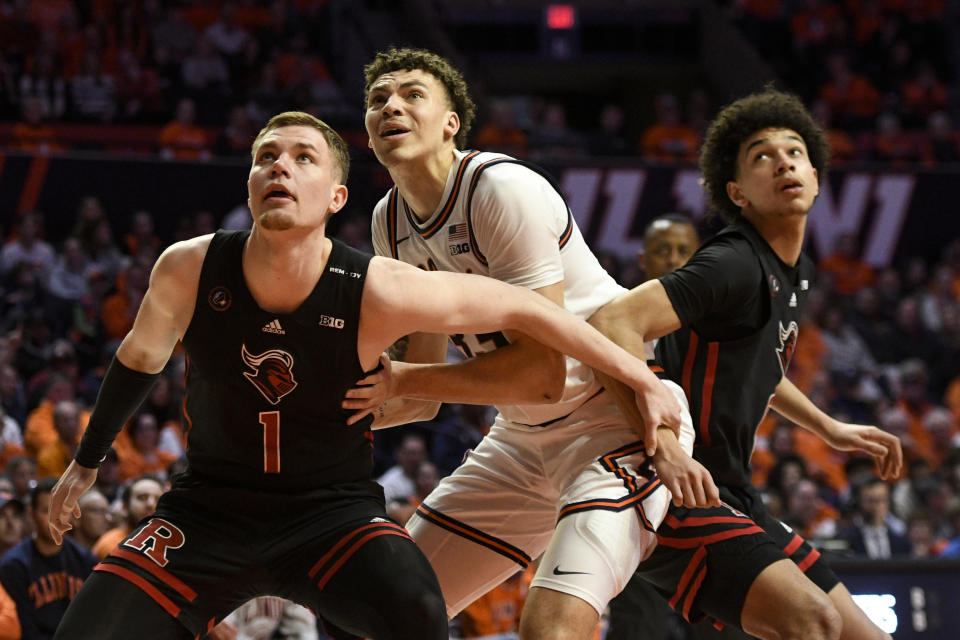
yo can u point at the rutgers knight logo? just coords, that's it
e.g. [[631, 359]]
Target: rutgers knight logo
[[272, 373], [788, 342]]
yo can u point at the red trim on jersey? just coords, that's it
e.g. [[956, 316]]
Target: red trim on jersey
[[353, 549], [690, 543], [211, 624], [162, 575], [145, 586], [656, 369], [436, 226], [793, 545], [343, 541], [186, 394], [713, 350], [692, 566], [697, 521], [809, 560], [692, 594], [271, 446], [688, 363]]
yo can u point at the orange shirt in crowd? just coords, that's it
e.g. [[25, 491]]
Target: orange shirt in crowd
[[53, 460], [40, 432], [109, 541], [860, 98], [9, 622], [670, 142], [850, 273], [186, 142]]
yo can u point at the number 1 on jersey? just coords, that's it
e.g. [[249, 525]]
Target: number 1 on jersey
[[271, 441]]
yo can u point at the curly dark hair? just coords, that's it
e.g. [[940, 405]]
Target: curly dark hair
[[737, 122], [440, 68]]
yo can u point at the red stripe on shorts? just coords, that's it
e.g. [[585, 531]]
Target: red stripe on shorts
[[160, 574], [145, 586], [690, 543], [359, 543]]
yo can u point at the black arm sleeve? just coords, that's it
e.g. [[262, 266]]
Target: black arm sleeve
[[121, 393], [722, 280]]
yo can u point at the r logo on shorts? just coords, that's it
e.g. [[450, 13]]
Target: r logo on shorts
[[161, 535]]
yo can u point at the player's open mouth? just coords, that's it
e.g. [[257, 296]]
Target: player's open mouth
[[278, 193], [392, 130]]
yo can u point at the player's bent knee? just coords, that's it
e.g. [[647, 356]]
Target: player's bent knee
[[420, 616]]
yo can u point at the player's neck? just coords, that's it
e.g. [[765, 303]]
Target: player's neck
[[784, 233], [282, 268], [422, 181]]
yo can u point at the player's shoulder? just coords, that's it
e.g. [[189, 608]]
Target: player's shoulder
[[380, 208], [501, 169], [184, 256]]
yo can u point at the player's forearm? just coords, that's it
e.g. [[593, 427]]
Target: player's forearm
[[397, 411], [506, 376], [793, 405]]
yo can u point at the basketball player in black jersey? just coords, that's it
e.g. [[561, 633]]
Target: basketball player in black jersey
[[278, 322], [734, 309]]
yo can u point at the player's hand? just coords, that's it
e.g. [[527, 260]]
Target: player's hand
[[369, 393], [658, 407], [74, 482], [883, 447], [689, 482]]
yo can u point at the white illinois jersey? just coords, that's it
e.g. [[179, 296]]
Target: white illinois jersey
[[503, 218]]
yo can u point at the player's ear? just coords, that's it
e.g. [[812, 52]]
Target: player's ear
[[735, 193], [816, 185], [370, 142], [452, 124], [339, 198]]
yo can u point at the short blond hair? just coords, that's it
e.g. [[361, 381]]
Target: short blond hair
[[341, 155]]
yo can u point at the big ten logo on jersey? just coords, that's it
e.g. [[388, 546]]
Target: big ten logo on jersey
[[155, 539], [470, 345], [613, 206], [344, 272], [330, 321]]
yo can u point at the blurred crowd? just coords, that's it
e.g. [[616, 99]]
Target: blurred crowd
[[192, 79]]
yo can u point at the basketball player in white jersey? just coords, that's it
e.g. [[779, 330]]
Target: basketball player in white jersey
[[560, 455]]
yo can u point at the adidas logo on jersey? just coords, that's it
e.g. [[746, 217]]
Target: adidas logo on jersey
[[793, 300], [378, 519], [274, 327]]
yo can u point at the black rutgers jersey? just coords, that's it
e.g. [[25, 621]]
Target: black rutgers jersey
[[262, 407], [733, 350]]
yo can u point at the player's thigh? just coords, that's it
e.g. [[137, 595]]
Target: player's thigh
[[856, 624], [110, 608], [552, 615], [783, 602], [377, 584]]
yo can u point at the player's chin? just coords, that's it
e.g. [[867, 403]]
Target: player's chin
[[276, 220]]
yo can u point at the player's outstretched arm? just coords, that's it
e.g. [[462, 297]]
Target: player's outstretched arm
[[400, 299], [884, 447], [161, 321]]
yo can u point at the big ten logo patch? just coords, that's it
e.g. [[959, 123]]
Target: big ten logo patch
[[330, 321], [156, 538], [457, 249]]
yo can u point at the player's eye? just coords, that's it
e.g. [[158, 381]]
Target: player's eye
[[305, 157]]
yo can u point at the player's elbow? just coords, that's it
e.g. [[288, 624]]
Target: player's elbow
[[551, 378]]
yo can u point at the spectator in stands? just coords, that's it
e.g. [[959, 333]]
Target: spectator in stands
[[52, 460], [943, 143], [920, 536], [94, 519], [206, 77], [850, 271], [22, 472], [40, 576], [11, 439], [32, 133], [139, 90], [852, 98], [182, 139], [105, 256], [139, 500], [610, 139], [669, 139], [238, 135], [939, 301], [142, 456], [922, 95], [400, 481], [173, 30], [870, 534], [40, 431], [226, 35], [108, 480], [426, 479], [11, 521], [553, 138], [142, 238], [70, 277], [43, 84], [497, 613], [808, 513], [501, 133], [13, 395], [120, 308], [93, 91], [892, 144], [28, 247]]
